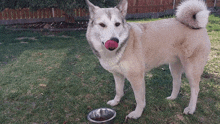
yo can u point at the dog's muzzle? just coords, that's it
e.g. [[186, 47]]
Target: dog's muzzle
[[112, 44]]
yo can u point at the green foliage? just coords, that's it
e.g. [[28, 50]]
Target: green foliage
[[66, 5]]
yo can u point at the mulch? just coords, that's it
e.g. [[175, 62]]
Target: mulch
[[50, 26]]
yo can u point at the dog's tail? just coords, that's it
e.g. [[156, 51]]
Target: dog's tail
[[193, 13]]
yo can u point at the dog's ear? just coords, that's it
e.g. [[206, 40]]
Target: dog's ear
[[92, 8], [123, 6]]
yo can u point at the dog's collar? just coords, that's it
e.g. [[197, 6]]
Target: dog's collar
[[191, 27], [122, 45], [194, 27]]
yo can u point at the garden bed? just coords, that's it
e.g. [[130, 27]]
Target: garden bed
[[51, 26]]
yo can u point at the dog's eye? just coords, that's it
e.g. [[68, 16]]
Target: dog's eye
[[102, 25], [117, 24]]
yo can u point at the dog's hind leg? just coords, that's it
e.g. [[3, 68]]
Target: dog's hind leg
[[193, 68], [193, 74], [119, 87], [176, 72]]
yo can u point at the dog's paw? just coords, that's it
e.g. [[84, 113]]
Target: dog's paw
[[112, 103], [134, 115], [188, 110], [171, 98]]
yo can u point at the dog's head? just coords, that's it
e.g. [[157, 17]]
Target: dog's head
[[107, 28]]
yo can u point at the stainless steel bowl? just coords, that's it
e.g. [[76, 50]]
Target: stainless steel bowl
[[102, 116]]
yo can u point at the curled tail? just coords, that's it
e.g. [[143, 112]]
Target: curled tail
[[193, 13]]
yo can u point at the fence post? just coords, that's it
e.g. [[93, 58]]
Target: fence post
[[53, 14], [174, 2]]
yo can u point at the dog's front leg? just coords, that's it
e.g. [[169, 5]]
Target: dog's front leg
[[138, 86], [119, 87]]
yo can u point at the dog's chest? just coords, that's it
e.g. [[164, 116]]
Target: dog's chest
[[111, 65]]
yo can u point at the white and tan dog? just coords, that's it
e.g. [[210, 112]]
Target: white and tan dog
[[128, 50]]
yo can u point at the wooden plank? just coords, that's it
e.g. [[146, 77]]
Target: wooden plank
[[31, 13], [218, 3], [148, 2], [132, 10], [22, 14], [50, 13], [39, 14], [131, 2], [35, 14], [27, 14], [43, 13], [76, 12], [55, 13], [157, 2], [83, 13], [80, 12], [141, 2], [9, 14], [46, 13], [59, 14], [5, 15], [62, 13], [168, 7], [210, 3], [1, 16], [18, 16], [14, 14]]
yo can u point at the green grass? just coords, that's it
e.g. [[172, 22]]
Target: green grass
[[55, 80]]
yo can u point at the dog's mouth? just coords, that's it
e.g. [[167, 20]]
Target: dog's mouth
[[112, 44]]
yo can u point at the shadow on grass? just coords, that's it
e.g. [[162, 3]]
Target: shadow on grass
[[40, 74]]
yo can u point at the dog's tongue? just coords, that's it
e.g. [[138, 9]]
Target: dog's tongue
[[111, 45]]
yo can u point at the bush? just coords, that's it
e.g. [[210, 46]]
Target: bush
[[62, 4]]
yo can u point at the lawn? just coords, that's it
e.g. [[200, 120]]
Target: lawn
[[48, 78]]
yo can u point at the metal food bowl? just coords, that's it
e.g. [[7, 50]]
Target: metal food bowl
[[102, 116]]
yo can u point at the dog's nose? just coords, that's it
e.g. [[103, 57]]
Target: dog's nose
[[115, 39], [112, 43]]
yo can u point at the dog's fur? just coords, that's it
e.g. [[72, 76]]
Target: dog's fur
[[181, 42]]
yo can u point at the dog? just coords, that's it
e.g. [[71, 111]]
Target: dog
[[129, 50]]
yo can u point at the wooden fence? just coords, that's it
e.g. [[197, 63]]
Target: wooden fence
[[146, 6], [25, 15]]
